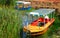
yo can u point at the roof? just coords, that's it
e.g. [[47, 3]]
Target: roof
[[19, 1], [27, 3], [42, 11], [34, 13], [23, 2]]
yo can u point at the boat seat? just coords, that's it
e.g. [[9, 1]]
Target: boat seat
[[46, 20], [40, 21], [34, 23]]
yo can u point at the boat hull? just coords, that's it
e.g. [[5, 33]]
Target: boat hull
[[35, 30]]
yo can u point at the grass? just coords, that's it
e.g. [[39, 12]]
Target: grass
[[11, 23]]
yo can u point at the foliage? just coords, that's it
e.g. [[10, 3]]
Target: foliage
[[7, 2], [2, 2], [9, 23]]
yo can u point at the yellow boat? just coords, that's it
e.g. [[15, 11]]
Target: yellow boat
[[37, 30], [36, 27]]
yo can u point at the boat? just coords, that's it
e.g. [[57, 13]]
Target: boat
[[22, 5], [40, 25]]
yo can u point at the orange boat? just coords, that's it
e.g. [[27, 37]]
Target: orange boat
[[39, 26]]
